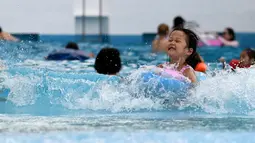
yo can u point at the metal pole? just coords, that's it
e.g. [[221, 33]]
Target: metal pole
[[83, 19], [100, 20]]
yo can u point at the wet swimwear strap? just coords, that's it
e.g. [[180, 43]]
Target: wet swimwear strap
[[184, 68]]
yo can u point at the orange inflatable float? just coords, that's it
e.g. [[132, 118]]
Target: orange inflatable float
[[201, 67]]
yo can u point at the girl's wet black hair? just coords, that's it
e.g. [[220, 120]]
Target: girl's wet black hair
[[108, 61], [250, 52], [1, 30], [232, 33], [192, 42]]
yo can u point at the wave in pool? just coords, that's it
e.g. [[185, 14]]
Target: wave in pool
[[39, 89]]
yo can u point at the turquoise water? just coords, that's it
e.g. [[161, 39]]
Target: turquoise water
[[67, 101]]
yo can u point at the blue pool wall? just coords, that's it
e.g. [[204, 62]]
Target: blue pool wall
[[245, 39]]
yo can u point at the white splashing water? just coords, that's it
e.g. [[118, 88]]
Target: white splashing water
[[226, 93], [221, 94]]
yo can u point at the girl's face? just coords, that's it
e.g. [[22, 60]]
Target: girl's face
[[227, 35], [245, 59], [178, 45]]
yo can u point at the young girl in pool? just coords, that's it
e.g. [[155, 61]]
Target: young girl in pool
[[247, 58], [182, 52]]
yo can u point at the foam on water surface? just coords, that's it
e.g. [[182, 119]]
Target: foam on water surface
[[90, 91]]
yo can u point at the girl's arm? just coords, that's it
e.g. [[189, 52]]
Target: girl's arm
[[223, 61], [9, 37], [189, 73], [160, 66], [229, 43]]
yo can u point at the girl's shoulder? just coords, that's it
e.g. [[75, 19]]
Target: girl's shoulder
[[189, 72], [186, 68]]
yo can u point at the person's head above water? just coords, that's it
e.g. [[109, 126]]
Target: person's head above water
[[1, 30], [72, 45], [108, 61], [178, 22], [163, 30], [247, 57], [183, 45], [229, 34]]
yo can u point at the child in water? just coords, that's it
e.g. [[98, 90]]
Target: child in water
[[182, 52], [108, 61], [161, 41], [247, 58]]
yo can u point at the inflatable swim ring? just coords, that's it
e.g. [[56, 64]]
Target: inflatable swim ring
[[169, 81], [4, 92], [209, 40], [214, 42], [165, 80], [165, 84], [200, 76]]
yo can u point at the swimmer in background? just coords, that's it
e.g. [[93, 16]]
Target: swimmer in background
[[72, 48], [178, 22], [161, 42], [228, 38], [182, 52], [247, 58], [6, 36], [108, 61]]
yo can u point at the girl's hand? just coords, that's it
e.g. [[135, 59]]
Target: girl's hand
[[160, 66], [222, 60]]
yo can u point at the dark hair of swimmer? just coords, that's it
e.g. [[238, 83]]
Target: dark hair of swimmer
[[250, 52], [72, 45], [163, 30], [231, 32], [108, 61], [1, 30], [178, 22], [192, 42]]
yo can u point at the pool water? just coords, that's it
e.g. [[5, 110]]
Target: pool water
[[65, 102]]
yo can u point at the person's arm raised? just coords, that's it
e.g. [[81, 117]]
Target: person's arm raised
[[189, 73]]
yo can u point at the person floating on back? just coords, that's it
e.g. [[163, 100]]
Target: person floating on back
[[6, 36], [161, 42], [71, 52], [228, 38], [108, 62]]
